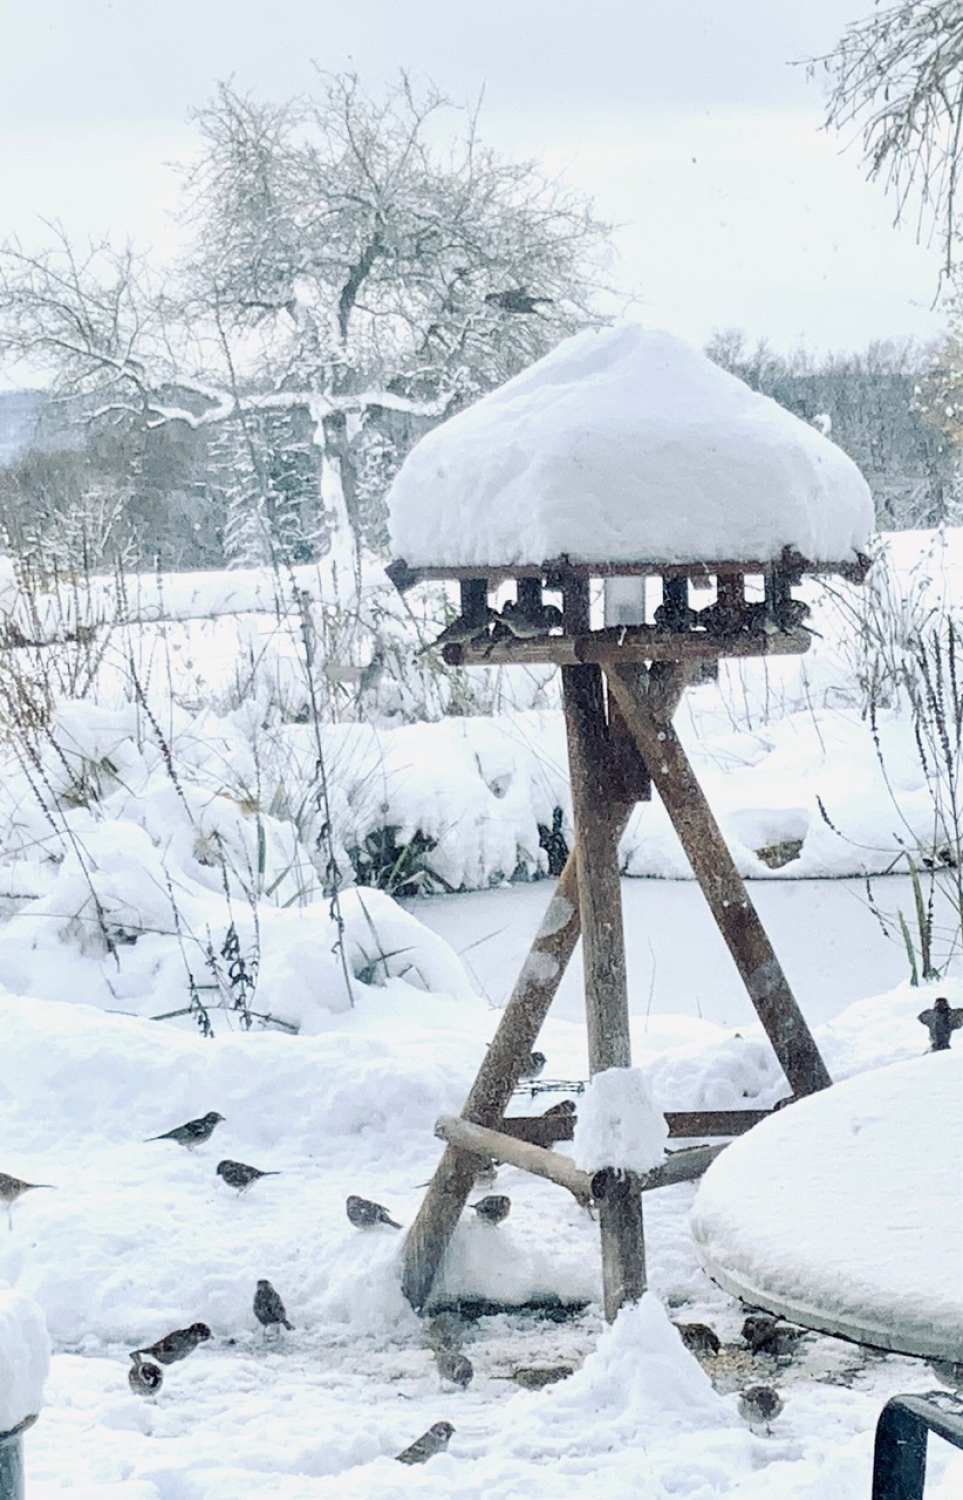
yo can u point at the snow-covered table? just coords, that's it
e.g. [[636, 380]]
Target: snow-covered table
[[844, 1212]]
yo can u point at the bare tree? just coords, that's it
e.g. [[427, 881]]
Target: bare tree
[[898, 77], [346, 271]]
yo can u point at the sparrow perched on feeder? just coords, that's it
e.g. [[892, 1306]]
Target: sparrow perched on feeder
[[177, 1345], [766, 1335], [435, 1440], [460, 632], [194, 1133], [493, 1209], [699, 1338], [12, 1188], [268, 1307], [144, 1378], [526, 624], [237, 1174], [760, 1405], [941, 1020], [364, 1214], [454, 1367]]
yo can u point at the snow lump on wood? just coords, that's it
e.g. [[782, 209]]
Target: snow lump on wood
[[24, 1358], [618, 1124], [625, 445]]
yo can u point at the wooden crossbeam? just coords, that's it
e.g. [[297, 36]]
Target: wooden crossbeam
[[621, 643], [517, 1153], [688, 1124]]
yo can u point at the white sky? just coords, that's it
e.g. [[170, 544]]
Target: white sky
[[684, 121]]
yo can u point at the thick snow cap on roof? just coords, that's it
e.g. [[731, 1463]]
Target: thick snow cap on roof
[[625, 445]]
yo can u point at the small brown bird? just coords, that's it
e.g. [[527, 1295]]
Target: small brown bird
[[12, 1188], [144, 1378], [941, 1020], [435, 1440], [767, 1335], [699, 1338], [492, 1209], [268, 1307], [454, 1367], [536, 1065], [564, 1107], [364, 1214], [760, 1405], [194, 1133], [177, 1345], [537, 1377], [518, 299], [238, 1175], [446, 1330]]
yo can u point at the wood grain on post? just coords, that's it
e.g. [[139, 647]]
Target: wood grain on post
[[517, 1153], [603, 954], [722, 885]]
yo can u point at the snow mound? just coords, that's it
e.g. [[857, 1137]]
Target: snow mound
[[624, 445], [844, 1212], [24, 1358], [619, 1124]]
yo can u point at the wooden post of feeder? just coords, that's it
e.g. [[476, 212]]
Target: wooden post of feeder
[[603, 942]]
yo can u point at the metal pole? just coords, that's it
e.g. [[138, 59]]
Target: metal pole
[[11, 1460]]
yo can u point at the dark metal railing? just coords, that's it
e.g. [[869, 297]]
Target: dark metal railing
[[904, 1426]]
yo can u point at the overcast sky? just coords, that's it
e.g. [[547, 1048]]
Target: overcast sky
[[684, 119]]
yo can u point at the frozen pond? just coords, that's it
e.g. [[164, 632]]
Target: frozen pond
[[825, 935]]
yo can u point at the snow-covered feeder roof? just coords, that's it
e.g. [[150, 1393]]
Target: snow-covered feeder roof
[[844, 1212], [625, 446]]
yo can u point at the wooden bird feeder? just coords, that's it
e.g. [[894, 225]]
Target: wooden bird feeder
[[621, 686]]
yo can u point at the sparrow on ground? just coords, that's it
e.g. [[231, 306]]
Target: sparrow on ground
[[435, 1440], [699, 1338], [237, 1174], [766, 1335], [194, 1133], [176, 1345], [445, 1330], [493, 1209], [760, 1405], [12, 1188], [536, 1377], [144, 1378], [364, 1214], [941, 1020], [454, 1367], [268, 1307]]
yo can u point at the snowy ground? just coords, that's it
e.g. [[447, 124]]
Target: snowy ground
[[124, 875]]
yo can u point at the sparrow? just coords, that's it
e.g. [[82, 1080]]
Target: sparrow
[[536, 1065], [454, 1367], [435, 1440], [461, 631], [528, 624], [515, 300], [492, 1209], [445, 1331], [566, 1107], [766, 1335], [699, 1338], [759, 1405], [238, 1175], [364, 1214], [144, 1378], [177, 1345], [12, 1188], [268, 1307], [194, 1133], [536, 1377], [941, 1019]]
